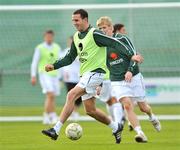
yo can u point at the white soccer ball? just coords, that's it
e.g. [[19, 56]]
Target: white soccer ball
[[74, 131]]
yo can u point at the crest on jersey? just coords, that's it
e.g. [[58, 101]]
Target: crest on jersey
[[113, 56]]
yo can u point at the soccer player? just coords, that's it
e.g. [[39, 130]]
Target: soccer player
[[89, 45], [47, 52], [70, 76], [119, 28], [127, 81]]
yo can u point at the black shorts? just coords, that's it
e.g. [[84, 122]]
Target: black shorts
[[69, 86]]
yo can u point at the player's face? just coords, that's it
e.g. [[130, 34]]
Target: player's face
[[78, 22], [123, 30], [106, 29], [48, 38]]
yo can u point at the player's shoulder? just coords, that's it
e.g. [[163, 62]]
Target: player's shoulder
[[120, 36], [97, 31], [56, 45], [39, 46]]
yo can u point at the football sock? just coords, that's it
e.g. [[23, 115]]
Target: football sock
[[58, 126], [116, 112], [138, 129], [113, 126]]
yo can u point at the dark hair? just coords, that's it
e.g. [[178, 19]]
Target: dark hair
[[82, 12], [117, 27], [49, 32]]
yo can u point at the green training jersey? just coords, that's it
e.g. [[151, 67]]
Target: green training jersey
[[118, 63]]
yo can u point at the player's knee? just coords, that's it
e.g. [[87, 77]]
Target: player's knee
[[71, 96], [145, 109], [128, 106], [50, 95]]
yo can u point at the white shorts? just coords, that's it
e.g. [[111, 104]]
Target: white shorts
[[90, 81], [49, 83], [134, 89], [105, 93]]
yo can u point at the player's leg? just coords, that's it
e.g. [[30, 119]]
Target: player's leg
[[132, 117], [139, 96], [72, 95], [99, 115], [49, 107], [56, 91], [75, 114], [91, 110], [129, 108], [144, 107], [47, 86], [116, 111]]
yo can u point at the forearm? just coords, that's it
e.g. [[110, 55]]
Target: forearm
[[35, 62], [132, 66], [67, 59], [107, 41]]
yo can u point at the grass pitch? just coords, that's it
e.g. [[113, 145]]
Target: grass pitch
[[27, 136]]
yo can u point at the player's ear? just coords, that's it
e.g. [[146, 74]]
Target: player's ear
[[86, 19]]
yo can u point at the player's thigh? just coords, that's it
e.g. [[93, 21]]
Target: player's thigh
[[127, 103], [89, 104], [75, 93]]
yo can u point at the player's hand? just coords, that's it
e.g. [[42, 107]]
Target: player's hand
[[128, 76], [33, 80], [138, 58], [49, 67]]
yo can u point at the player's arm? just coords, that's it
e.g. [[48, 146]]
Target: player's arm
[[127, 41], [103, 40], [132, 64], [34, 65], [129, 74], [64, 61]]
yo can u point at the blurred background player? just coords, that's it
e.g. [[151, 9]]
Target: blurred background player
[[127, 81], [70, 76], [47, 52], [119, 28]]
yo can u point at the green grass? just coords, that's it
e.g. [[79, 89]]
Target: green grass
[[27, 136], [34, 111]]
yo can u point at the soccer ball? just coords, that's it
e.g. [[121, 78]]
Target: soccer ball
[[74, 131]]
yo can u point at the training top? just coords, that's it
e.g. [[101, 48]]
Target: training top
[[118, 63], [89, 46]]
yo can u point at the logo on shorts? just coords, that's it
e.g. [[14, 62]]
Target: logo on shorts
[[113, 56]]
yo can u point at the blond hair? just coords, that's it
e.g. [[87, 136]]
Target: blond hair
[[105, 20]]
